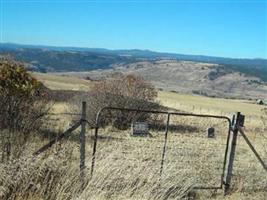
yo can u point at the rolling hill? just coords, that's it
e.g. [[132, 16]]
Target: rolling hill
[[50, 58], [188, 77], [202, 75]]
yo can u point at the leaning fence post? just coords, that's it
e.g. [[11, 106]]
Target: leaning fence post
[[165, 143], [231, 152], [82, 137]]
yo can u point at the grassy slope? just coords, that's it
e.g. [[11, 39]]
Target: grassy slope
[[55, 82], [210, 105]]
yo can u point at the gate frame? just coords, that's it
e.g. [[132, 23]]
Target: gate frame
[[230, 129]]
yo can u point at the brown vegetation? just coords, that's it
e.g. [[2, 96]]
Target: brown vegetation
[[23, 104], [124, 91]]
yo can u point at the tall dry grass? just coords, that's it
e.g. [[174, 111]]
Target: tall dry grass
[[56, 176], [128, 167]]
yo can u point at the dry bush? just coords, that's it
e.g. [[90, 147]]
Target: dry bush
[[124, 91], [23, 104]]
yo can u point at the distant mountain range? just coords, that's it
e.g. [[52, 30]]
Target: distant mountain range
[[60, 59]]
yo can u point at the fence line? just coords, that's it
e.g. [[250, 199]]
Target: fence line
[[235, 126]]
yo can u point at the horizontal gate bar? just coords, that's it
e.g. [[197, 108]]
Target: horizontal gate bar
[[161, 112]]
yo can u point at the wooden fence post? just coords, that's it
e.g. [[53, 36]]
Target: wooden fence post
[[231, 153], [82, 137]]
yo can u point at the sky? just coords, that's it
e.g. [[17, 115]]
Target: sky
[[225, 28]]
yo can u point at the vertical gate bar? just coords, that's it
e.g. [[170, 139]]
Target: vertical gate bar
[[233, 120], [165, 143], [227, 149], [231, 155], [94, 150], [82, 137], [95, 139]]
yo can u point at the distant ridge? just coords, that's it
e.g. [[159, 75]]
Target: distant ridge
[[134, 52], [53, 58]]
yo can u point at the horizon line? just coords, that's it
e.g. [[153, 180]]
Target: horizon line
[[129, 49]]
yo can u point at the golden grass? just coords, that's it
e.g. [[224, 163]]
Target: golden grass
[[129, 167], [56, 176], [202, 104], [57, 82], [215, 106]]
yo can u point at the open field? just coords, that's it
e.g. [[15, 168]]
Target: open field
[[215, 106], [171, 99], [202, 104], [55, 82], [129, 167]]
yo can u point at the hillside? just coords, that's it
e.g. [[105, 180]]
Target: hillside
[[188, 77], [44, 60], [51, 58]]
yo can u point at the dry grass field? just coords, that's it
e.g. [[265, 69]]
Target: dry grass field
[[215, 106], [56, 82], [129, 167]]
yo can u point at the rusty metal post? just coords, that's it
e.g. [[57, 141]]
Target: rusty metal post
[[94, 151], [82, 137], [231, 153], [165, 143]]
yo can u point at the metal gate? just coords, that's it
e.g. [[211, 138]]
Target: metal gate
[[172, 144]]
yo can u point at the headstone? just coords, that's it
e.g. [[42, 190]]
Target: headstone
[[211, 132], [139, 128]]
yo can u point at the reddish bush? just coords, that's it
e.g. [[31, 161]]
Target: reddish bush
[[123, 91]]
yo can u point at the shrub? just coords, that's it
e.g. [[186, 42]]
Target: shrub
[[22, 103], [123, 91]]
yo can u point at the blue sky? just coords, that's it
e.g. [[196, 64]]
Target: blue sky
[[236, 28]]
